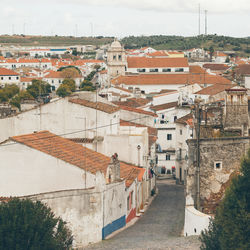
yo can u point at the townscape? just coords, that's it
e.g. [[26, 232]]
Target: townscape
[[91, 138]]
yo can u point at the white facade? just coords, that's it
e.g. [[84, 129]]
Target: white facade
[[27, 171], [56, 82], [167, 134], [60, 117], [10, 79], [149, 88], [158, 70]]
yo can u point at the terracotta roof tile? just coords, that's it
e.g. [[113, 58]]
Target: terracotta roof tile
[[187, 119], [213, 90], [164, 106], [136, 110], [74, 154], [7, 72], [107, 108], [134, 102], [146, 62], [216, 66], [167, 79]]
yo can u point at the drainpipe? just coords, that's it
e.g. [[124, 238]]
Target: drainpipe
[[139, 148]]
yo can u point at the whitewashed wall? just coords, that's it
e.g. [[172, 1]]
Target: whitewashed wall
[[26, 171], [60, 117]]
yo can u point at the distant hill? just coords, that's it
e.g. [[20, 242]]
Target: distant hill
[[223, 43], [53, 40]]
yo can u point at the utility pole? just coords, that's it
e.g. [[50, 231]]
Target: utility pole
[[199, 30], [198, 123], [205, 22]]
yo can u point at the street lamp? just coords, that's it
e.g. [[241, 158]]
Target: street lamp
[[139, 148]]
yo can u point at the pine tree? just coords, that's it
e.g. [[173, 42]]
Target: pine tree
[[31, 225]]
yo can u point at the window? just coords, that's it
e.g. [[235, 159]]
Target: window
[[128, 203], [141, 70], [120, 57], [52, 81], [10, 78], [162, 116], [217, 165], [153, 70], [179, 70], [114, 57], [59, 81], [17, 77], [180, 131], [169, 137], [167, 157], [166, 70], [175, 117], [1, 78]]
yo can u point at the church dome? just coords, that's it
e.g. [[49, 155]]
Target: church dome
[[116, 44]]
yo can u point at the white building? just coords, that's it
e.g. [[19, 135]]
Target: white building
[[8, 76], [156, 65]]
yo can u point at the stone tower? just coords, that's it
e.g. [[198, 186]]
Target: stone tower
[[116, 60], [236, 110]]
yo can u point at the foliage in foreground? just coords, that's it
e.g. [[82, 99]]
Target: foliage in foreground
[[230, 229], [31, 225]]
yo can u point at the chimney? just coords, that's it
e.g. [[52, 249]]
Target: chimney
[[113, 170]]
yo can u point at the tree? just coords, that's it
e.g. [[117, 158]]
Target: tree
[[211, 52], [38, 87], [70, 73], [63, 90], [70, 83], [31, 225], [230, 229], [87, 85]]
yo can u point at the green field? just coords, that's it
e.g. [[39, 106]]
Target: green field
[[53, 40]]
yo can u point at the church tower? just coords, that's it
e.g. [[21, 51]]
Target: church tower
[[116, 60]]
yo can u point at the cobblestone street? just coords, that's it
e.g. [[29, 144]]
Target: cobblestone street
[[159, 228]]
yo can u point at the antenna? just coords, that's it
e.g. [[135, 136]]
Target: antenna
[[199, 14], [24, 28], [13, 29], [92, 28], [205, 22], [76, 30]]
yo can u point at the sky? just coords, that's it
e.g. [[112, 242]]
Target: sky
[[122, 18]]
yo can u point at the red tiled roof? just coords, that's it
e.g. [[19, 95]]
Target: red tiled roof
[[158, 53], [164, 106], [104, 107], [167, 79], [134, 102], [26, 79], [146, 62], [213, 90], [7, 72], [186, 119], [136, 110], [74, 154], [196, 69], [216, 66], [54, 74]]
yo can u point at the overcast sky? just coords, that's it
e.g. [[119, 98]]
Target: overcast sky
[[123, 17]]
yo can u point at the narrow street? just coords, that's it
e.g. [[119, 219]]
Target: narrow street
[[159, 228]]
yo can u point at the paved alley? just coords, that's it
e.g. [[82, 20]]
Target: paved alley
[[159, 228]]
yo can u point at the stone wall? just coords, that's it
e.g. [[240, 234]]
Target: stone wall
[[219, 160]]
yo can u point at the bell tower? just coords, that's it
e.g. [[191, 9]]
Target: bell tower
[[116, 60]]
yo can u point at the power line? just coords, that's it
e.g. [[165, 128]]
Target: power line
[[76, 132]]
